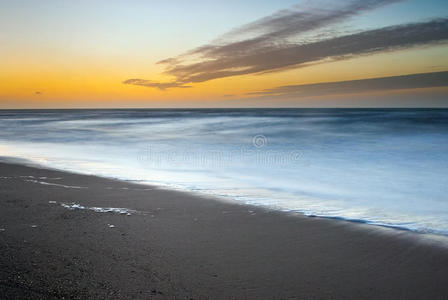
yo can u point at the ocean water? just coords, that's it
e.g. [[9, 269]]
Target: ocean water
[[381, 166]]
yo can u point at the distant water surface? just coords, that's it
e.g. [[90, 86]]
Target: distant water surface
[[380, 166]]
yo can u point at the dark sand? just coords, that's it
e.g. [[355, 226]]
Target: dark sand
[[184, 246]]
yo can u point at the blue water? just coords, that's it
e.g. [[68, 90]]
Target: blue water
[[380, 166]]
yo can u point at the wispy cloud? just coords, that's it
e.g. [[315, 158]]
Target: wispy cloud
[[301, 21], [293, 38], [412, 81], [149, 83]]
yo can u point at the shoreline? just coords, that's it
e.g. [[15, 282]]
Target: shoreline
[[185, 246], [429, 236]]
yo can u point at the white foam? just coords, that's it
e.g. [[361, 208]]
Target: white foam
[[110, 209], [73, 206], [55, 184], [116, 210], [29, 176]]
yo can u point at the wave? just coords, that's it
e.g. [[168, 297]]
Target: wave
[[381, 166]]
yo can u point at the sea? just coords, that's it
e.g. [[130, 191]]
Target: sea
[[386, 167]]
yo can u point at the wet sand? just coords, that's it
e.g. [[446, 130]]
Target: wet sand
[[177, 245]]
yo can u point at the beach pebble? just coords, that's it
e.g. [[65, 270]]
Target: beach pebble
[[33, 226], [2, 229], [111, 226], [128, 214], [52, 202]]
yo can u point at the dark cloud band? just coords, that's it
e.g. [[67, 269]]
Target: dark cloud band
[[272, 51], [413, 81]]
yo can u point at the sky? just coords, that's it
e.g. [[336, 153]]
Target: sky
[[252, 53]]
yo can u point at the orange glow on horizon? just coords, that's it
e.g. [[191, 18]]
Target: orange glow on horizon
[[62, 80]]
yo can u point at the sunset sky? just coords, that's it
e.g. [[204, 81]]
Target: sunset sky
[[252, 53]]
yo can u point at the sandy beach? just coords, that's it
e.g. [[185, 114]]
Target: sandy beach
[[57, 240]]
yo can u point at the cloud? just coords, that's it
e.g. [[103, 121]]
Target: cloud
[[160, 86], [367, 42], [413, 81], [276, 29], [293, 38]]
